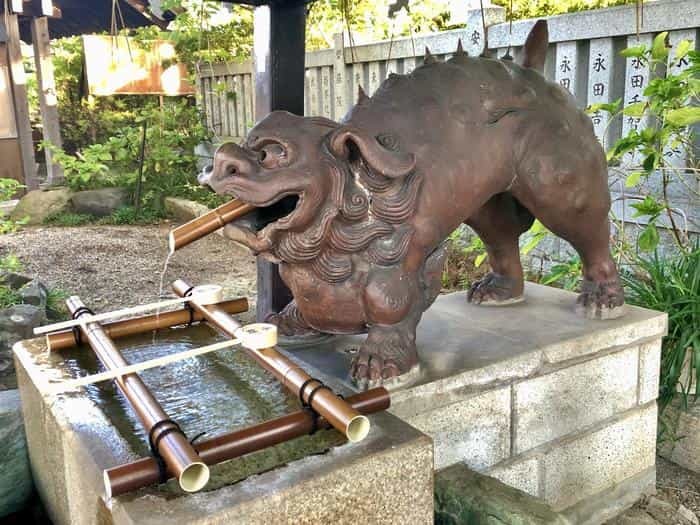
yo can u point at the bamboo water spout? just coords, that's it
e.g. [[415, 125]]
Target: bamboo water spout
[[207, 223], [143, 472], [180, 458], [309, 390]]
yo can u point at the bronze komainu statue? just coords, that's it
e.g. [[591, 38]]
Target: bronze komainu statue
[[367, 204]]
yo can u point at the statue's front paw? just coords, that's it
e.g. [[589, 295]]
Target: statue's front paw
[[383, 358], [495, 290], [290, 321], [601, 299]]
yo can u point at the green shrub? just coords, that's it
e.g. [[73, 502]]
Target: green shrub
[[55, 304], [8, 296], [170, 165], [671, 284], [11, 263], [8, 189], [69, 219], [128, 215]]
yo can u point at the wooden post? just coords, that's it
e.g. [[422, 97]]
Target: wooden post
[[19, 91], [47, 96], [278, 66]]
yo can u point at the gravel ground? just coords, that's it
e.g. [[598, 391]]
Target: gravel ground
[[113, 267], [677, 485]]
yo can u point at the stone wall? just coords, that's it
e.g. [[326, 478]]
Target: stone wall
[[573, 424]]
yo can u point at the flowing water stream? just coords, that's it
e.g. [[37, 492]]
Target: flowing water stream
[[161, 286]]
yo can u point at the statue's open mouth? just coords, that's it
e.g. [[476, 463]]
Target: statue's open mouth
[[280, 211]]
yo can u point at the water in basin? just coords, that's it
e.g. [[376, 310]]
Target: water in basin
[[214, 393]]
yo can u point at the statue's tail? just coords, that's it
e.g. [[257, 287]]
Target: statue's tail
[[535, 49]]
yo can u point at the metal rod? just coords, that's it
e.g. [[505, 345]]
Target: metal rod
[[178, 454], [207, 223], [143, 472], [338, 413], [142, 160], [139, 325]]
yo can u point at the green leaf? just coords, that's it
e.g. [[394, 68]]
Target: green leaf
[[648, 207], [686, 116], [635, 110], [609, 107], [682, 49], [633, 179], [634, 51], [480, 259], [649, 239], [650, 162], [659, 49]]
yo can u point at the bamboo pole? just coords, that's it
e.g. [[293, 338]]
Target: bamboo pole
[[205, 294], [207, 223], [139, 325], [143, 472], [178, 454], [338, 413]]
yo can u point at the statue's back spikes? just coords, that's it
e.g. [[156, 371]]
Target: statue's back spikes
[[535, 48]]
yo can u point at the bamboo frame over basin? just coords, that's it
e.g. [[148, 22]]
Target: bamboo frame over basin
[[310, 391], [177, 452], [139, 325], [144, 472]]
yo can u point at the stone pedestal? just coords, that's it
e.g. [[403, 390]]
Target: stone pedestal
[[386, 478], [558, 406]]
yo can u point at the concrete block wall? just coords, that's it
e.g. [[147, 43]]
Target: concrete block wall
[[573, 423]]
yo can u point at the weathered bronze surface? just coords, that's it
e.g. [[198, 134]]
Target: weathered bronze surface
[[356, 213]]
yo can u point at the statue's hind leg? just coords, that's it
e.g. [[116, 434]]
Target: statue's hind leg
[[602, 296], [579, 215], [499, 223]]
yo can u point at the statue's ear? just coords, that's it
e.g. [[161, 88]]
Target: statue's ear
[[535, 49], [389, 163], [362, 97]]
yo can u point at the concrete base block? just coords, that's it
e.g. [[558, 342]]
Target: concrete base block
[[558, 406], [463, 496], [388, 477], [681, 442]]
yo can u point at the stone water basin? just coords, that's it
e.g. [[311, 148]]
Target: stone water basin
[[72, 437], [214, 393]]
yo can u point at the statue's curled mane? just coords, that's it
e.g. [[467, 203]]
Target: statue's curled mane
[[364, 211]]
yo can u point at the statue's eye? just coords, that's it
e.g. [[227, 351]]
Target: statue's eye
[[388, 141], [272, 156]]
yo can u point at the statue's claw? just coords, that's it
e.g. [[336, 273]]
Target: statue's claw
[[386, 355], [601, 300], [495, 290]]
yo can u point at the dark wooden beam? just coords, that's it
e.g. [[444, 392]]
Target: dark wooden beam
[[278, 65], [18, 82], [47, 96]]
